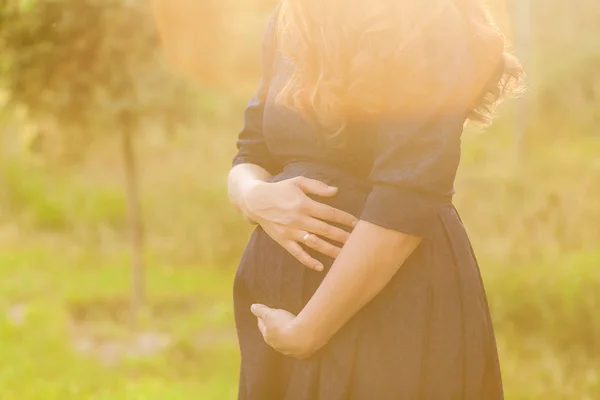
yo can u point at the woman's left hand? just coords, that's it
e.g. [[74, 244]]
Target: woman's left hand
[[282, 334]]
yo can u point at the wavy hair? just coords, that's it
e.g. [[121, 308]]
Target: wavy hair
[[361, 59]]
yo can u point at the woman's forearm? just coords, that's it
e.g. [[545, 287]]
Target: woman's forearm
[[366, 264], [240, 179]]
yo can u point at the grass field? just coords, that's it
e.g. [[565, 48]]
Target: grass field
[[65, 331]]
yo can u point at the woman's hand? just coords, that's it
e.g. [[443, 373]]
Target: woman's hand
[[292, 219], [282, 334]]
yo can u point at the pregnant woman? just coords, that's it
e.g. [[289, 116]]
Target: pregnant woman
[[359, 281]]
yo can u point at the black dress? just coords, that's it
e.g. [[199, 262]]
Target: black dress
[[428, 334]]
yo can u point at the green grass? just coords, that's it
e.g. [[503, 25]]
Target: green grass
[[546, 314], [57, 204], [40, 335]]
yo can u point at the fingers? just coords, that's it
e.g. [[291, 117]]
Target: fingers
[[318, 244], [301, 255], [288, 239], [328, 213], [313, 186], [262, 327], [323, 211], [325, 230], [260, 310]]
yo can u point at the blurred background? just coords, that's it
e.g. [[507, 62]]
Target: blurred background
[[117, 242]]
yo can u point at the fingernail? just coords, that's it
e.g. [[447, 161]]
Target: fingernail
[[332, 188], [319, 267]]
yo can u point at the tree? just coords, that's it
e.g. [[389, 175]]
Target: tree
[[92, 68]]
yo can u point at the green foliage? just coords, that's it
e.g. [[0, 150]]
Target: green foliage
[[564, 58], [55, 205], [85, 65], [555, 302], [533, 211]]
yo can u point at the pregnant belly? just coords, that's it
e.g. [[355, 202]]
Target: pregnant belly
[[267, 272]]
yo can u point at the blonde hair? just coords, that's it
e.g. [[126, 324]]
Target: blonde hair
[[360, 59]]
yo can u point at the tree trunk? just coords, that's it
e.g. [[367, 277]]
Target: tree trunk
[[134, 216]]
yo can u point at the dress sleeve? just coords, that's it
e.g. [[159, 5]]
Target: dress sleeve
[[413, 173], [416, 158], [251, 145]]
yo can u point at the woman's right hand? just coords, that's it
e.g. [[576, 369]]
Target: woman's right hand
[[291, 218]]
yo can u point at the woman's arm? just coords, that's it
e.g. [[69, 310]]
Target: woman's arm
[[366, 264], [242, 177]]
